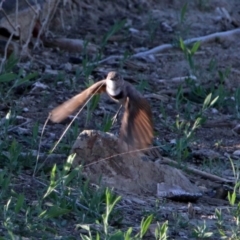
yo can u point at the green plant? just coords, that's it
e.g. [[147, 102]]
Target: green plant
[[237, 102], [161, 231], [152, 26], [143, 84], [108, 234], [201, 232], [9, 80], [107, 123], [179, 221], [92, 105], [189, 53], [183, 25], [187, 129], [113, 30], [232, 230]]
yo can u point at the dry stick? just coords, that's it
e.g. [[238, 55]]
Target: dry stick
[[196, 171], [39, 147], [25, 46], [5, 51], [157, 96], [18, 126], [109, 58], [16, 14], [220, 36], [119, 154], [176, 79], [10, 38], [114, 119], [31, 7], [48, 18]]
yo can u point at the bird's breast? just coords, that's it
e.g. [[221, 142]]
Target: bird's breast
[[120, 97]]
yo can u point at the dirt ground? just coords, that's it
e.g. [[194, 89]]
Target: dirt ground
[[150, 24]]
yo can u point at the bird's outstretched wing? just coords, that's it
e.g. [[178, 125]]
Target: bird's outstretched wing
[[61, 112], [137, 122]]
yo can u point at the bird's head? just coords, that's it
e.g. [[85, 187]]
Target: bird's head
[[114, 82], [114, 76]]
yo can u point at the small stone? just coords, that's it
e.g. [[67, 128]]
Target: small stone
[[133, 30], [214, 110], [236, 153], [51, 72], [166, 27], [237, 129], [173, 141], [68, 67]]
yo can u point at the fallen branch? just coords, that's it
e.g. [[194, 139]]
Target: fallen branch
[[195, 171], [157, 96], [176, 79], [219, 36]]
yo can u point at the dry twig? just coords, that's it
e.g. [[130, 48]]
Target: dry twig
[[195, 171], [219, 37]]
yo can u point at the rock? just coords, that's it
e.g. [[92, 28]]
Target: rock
[[236, 153], [130, 172]]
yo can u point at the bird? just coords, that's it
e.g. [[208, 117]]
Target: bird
[[137, 121]]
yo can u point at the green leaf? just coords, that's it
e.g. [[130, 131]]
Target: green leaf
[[84, 237], [53, 183], [127, 235], [197, 123], [183, 12], [68, 178], [117, 236], [29, 77], [97, 236], [107, 123], [67, 166], [8, 204], [55, 211], [10, 63], [84, 226], [8, 77], [207, 101], [94, 102], [115, 28], [145, 225], [195, 47], [181, 44], [163, 230], [232, 198], [19, 203], [214, 101]]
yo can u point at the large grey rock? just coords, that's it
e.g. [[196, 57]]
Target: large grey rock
[[130, 172]]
